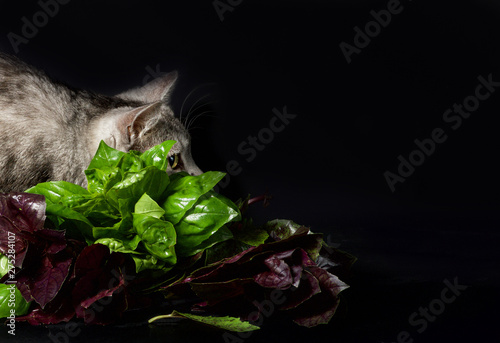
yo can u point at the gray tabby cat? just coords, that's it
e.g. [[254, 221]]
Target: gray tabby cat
[[49, 131]]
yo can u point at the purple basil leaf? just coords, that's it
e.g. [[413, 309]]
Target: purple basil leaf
[[21, 214], [25, 211], [329, 282], [54, 239], [205, 273], [107, 311], [234, 286], [308, 287], [94, 284], [91, 258], [39, 316], [47, 283], [216, 292], [58, 310], [279, 275], [322, 306], [7, 230], [99, 294]]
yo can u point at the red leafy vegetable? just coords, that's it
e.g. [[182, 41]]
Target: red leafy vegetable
[[101, 277], [21, 214], [41, 252], [240, 284]]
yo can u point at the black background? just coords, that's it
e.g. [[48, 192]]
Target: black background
[[326, 168]]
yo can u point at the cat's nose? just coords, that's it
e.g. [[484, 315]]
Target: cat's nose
[[194, 170]]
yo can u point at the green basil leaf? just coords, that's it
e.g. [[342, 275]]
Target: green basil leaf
[[208, 215], [105, 158], [118, 245], [157, 155], [121, 230], [247, 233], [158, 237], [100, 181], [221, 235], [4, 265], [148, 262], [131, 162], [99, 232], [94, 206], [66, 213], [20, 306], [183, 192], [223, 250], [55, 191], [149, 207], [149, 180], [225, 323]]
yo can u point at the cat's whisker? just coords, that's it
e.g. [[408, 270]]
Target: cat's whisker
[[183, 103], [194, 112], [191, 111], [193, 119], [204, 113], [191, 122], [189, 94]]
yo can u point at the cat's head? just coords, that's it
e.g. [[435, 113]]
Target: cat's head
[[149, 122]]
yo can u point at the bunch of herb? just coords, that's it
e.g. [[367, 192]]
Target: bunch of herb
[[137, 232], [133, 206]]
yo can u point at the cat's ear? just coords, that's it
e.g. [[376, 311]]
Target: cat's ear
[[133, 122], [158, 89]]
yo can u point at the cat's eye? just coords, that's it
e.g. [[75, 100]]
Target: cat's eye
[[173, 160]]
